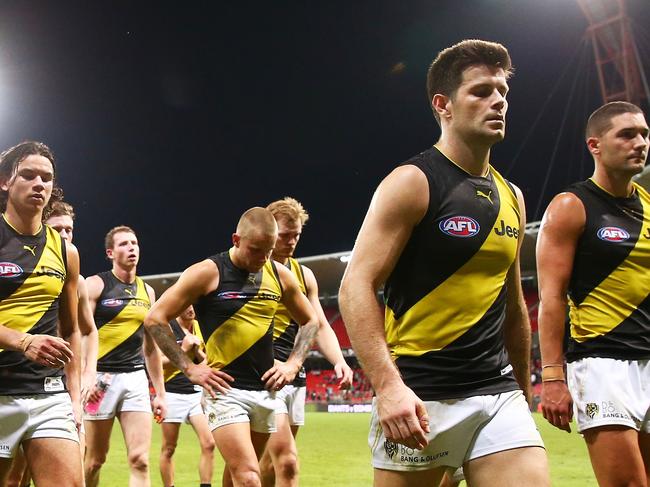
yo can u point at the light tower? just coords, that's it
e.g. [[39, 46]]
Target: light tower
[[620, 72]]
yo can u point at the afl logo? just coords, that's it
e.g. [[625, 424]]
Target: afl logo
[[460, 226], [613, 234], [9, 269], [111, 303]]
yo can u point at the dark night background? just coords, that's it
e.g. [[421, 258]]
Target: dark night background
[[176, 117]]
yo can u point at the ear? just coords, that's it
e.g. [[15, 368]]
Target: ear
[[109, 254], [4, 185], [236, 239], [593, 144], [442, 105]]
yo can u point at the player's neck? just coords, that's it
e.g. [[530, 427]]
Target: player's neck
[[127, 276], [25, 224], [280, 260], [472, 158], [617, 184]]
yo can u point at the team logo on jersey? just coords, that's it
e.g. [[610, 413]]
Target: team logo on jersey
[[9, 269], [592, 409], [390, 448], [111, 302], [460, 226], [613, 234]]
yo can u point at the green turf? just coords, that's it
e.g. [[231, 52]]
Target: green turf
[[334, 453]]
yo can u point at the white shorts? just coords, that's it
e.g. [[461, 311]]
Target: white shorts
[[461, 430], [129, 391], [606, 391], [37, 416], [291, 401], [240, 406], [180, 407]]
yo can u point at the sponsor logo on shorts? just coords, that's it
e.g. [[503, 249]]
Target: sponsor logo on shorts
[[591, 409], [9, 269], [460, 226], [609, 410], [390, 448], [613, 234], [112, 303], [4, 448], [410, 455]]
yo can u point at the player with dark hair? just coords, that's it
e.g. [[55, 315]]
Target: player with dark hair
[[593, 253], [39, 405], [449, 361]]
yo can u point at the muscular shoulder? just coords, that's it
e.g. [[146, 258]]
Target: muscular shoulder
[[94, 286], [404, 194]]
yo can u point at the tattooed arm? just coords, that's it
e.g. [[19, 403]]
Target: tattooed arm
[[196, 281], [283, 373]]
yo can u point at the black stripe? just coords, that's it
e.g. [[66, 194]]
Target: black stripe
[[596, 259]]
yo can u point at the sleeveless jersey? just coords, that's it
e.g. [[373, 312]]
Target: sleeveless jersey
[[609, 289], [236, 320], [119, 316], [33, 270], [285, 329], [446, 297], [175, 380]]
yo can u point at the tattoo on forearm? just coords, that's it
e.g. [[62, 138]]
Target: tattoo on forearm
[[165, 339], [304, 339]]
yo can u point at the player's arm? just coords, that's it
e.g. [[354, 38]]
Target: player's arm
[[196, 281], [303, 314], [89, 341], [154, 368], [69, 328], [560, 230], [398, 205], [326, 339], [516, 326]]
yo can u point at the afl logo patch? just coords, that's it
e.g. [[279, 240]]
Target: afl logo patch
[[460, 226], [9, 269], [111, 303], [613, 234]]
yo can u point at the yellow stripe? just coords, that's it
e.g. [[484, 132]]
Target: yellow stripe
[[242, 330], [620, 293], [432, 323], [26, 306], [282, 318], [125, 324]]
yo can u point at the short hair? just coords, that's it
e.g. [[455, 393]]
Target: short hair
[[289, 208], [600, 120], [257, 220], [61, 208], [109, 240], [13, 156], [446, 71]]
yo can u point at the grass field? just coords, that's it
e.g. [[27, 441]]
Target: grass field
[[334, 453]]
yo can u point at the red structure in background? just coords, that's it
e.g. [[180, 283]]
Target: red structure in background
[[617, 59]]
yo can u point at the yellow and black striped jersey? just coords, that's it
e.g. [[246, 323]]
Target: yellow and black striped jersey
[[446, 297], [236, 321], [33, 270], [285, 329], [609, 289], [119, 316], [175, 380]]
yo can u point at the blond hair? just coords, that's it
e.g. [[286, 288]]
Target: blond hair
[[109, 239], [289, 208]]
